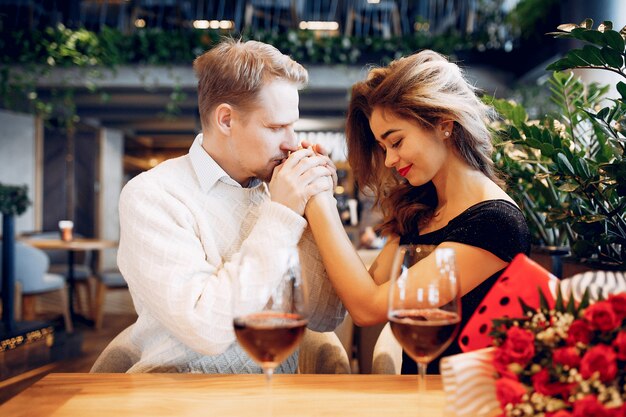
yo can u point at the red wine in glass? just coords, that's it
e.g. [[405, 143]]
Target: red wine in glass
[[424, 302], [269, 337], [424, 333]]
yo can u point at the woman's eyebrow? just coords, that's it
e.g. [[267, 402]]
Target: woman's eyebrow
[[389, 132]]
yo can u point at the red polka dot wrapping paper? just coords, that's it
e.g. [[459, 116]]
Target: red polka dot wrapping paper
[[522, 278]]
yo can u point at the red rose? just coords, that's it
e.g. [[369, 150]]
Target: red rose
[[518, 347], [620, 345], [542, 384], [578, 332], [600, 359], [560, 413], [501, 363], [618, 302], [618, 411], [569, 356], [509, 391], [589, 406], [601, 316]]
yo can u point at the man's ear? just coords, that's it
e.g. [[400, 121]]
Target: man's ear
[[223, 116]]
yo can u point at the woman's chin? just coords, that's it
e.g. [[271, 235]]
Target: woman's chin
[[415, 182]]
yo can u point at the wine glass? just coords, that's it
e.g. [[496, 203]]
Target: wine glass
[[424, 308], [270, 335]]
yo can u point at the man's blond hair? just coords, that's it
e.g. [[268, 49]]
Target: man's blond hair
[[234, 72]]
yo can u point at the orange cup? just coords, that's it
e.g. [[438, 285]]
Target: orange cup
[[66, 227]]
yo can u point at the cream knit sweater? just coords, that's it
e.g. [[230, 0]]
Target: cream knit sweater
[[195, 248]]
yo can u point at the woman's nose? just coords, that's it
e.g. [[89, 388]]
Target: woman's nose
[[391, 158]]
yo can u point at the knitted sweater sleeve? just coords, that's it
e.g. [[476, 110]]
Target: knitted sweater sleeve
[[168, 272], [325, 307]]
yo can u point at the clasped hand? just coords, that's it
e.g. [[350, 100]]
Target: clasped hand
[[304, 174]]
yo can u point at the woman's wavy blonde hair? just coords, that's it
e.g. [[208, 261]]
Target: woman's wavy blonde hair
[[427, 89]]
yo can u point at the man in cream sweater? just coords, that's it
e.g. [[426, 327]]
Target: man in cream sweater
[[201, 231]]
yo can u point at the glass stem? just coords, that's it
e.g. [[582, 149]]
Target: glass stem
[[421, 369], [268, 374]]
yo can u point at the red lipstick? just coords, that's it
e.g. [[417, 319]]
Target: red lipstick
[[405, 170]]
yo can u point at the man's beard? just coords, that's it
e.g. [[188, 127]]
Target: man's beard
[[275, 162]]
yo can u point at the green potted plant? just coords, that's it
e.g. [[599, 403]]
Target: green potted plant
[[13, 202], [569, 167]]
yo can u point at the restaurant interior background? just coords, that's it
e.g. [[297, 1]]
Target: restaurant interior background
[[94, 92]]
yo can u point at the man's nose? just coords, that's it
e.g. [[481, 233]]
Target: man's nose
[[290, 141]]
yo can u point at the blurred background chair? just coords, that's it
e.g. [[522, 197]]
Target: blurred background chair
[[106, 281], [118, 357], [32, 280], [322, 353], [387, 356], [83, 273]]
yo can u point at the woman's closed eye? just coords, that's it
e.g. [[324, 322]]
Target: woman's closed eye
[[397, 143]]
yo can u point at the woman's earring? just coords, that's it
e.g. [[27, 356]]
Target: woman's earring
[[446, 133]]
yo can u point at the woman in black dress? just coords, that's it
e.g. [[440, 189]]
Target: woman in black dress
[[417, 136]]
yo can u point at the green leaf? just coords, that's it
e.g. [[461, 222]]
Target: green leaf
[[602, 113], [560, 65], [546, 137], [564, 163], [593, 36], [568, 187], [621, 87], [587, 23], [571, 305], [533, 143], [613, 58], [543, 301], [592, 54], [592, 218], [582, 248], [514, 133], [600, 296], [584, 302], [582, 168], [555, 215], [561, 35], [558, 305], [604, 26], [568, 27], [614, 40], [546, 149], [535, 133], [525, 307], [518, 115]]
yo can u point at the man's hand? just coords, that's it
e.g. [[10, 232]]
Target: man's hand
[[302, 175]]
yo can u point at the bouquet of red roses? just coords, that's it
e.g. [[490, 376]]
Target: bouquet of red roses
[[565, 361]]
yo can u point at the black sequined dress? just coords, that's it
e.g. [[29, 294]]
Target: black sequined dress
[[497, 226]]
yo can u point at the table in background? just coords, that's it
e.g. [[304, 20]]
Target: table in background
[[151, 395], [72, 246]]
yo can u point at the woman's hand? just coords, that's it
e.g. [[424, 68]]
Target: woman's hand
[[320, 150]]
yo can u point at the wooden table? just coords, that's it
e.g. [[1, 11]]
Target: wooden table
[[72, 246], [198, 395]]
